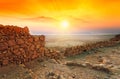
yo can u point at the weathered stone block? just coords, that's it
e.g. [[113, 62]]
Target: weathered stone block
[[30, 39], [42, 38], [36, 38], [11, 43], [12, 37], [3, 46], [19, 41], [17, 30], [16, 52], [32, 47], [5, 62], [26, 30], [37, 46], [22, 50], [35, 55], [1, 55]]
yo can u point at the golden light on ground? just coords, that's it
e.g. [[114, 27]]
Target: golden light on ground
[[64, 24]]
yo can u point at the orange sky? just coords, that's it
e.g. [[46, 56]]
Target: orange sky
[[46, 15]]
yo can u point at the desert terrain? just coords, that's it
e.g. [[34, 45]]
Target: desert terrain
[[100, 63], [59, 39]]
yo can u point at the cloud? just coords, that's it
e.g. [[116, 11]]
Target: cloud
[[80, 20], [41, 19]]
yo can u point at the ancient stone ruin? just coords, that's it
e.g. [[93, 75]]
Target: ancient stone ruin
[[80, 49], [18, 46]]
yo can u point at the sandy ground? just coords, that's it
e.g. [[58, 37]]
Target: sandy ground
[[102, 63]]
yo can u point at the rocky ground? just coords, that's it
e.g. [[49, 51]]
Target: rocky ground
[[102, 63]]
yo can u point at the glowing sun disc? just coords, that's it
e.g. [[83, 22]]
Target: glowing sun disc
[[64, 24]]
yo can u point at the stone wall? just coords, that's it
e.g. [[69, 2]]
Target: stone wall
[[18, 46], [80, 49]]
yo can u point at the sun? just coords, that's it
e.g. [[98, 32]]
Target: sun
[[64, 24]]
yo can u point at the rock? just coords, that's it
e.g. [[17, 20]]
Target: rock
[[110, 65], [106, 61], [74, 64], [32, 47], [19, 41], [52, 61], [42, 51], [107, 77], [44, 65], [51, 74], [29, 77], [21, 50], [22, 65], [11, 43], [118, 75], [30, 39], [115, 68], [3, 46], [17, 78], [70, 77], [54, 77], [42, 37], [26, 30], [4, 75], [1, 55], [101, 67], [16, 52], [97, 76], [88, 64], [84, 65], [58, 61], [37, 46], [17, 30], [5, 62], [35, 55], [74, 75], [60, 77], [36, 38]]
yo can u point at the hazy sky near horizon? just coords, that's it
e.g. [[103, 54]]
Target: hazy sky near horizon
[[45, 16]]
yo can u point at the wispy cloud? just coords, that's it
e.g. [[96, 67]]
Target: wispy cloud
[[80, 20], [41, 19]]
